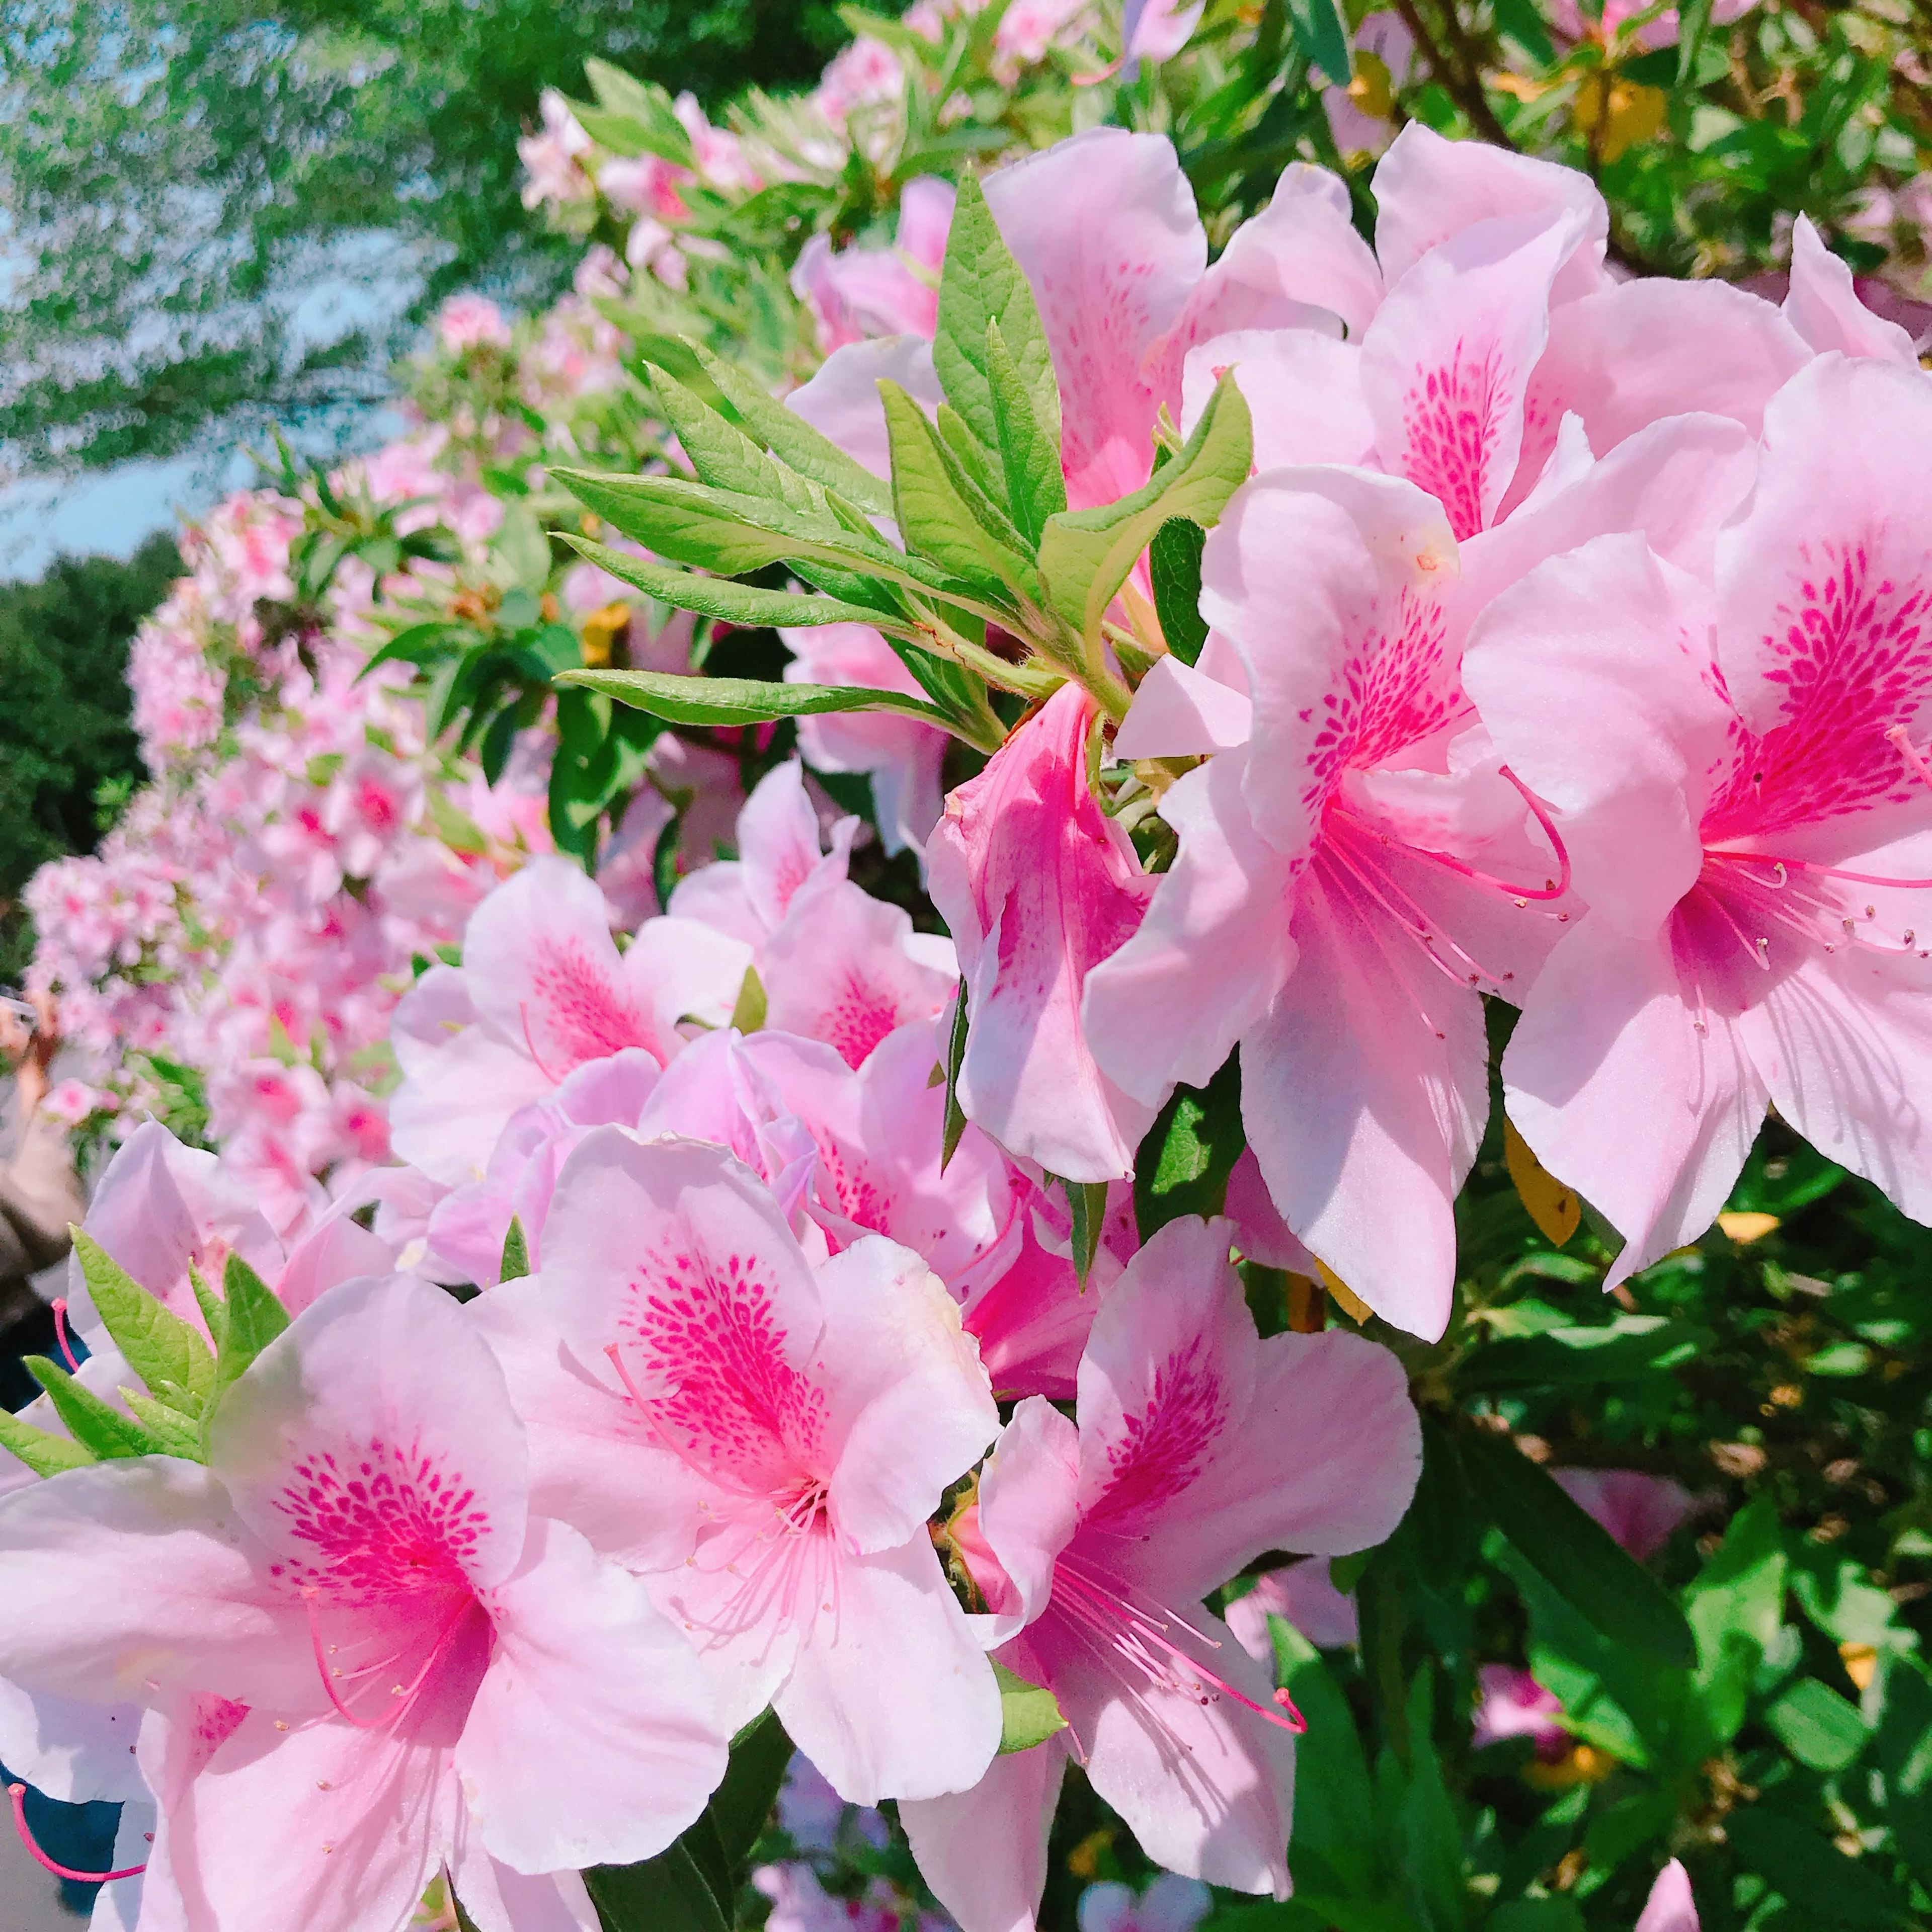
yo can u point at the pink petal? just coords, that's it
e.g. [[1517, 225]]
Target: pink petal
[[1303, 390], [1037, 886], [1670, 1907], [841, 401], [1429, 190], [496, 1899], [1181, 713], [594, 1738], [983, 1852], [892, 1696], [1618, 1093], [1824, 308], [1446, 364], [1641, 1511], [1104, 228], [72, 1751], [1029, 1507], [1303, 1595]]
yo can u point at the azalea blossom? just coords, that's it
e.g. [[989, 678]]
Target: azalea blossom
[[363, 1658], [765, 1439], [1094, 1543], [1736, 772]]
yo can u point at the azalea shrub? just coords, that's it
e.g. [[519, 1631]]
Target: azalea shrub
[[1040, 1043]]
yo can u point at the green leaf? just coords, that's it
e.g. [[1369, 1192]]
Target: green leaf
[[44, 1453], [1735, 1609], [748, 1010], [1621, 1351], [95, 1425], [1321, 30], [792, 440], [955, 1054], [1821, 1885], [1087, 1200], [1902, 1750], [1174, 562], [174, 1433], [934, 509], [1431, 1833], [164, 1351], [665, 1894], [1185, 1157], [980, 283], [1334, 1801], [647, 104], [254, 1318], [1028, 1714], [742, 1804], [1817, 1726], [1579, 1560], [1036, 484], [723, 455], [212, 1312], [1085, 555], [719, 597], [743, 700], [516, 1262]]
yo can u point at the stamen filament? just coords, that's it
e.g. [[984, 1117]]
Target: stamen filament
[[61, 1333], [18, 1793]]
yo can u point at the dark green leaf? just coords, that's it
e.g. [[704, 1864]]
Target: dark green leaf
[[980, 283], [1174, 562], [955, 1054], [1087, 1200], [740, 1806], [1322, 30], [665, 1894], [1028, 1714], [1821, 1885], [1186, 1156], [1579, 1560]]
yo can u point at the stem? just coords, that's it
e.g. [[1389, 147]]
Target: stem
[[1460, 76], [1381, 1611]]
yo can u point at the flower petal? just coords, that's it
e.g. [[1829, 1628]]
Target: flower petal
[[983, 1852]]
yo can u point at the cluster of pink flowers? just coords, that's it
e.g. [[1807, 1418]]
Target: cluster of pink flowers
[[253, 917]]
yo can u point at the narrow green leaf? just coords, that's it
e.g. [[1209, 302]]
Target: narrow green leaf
[[255, 1317], [1174, 562], [719, 597], [1322, 32], [1578, 1559], [665, 1894], [955, 1054], [1821, 1885], [1028, 1714], [792, 440], [1817, 1726], [1030, 458], [1186, 1156], [44, 1453], [1085, 555], [1087, 1201], [212, 1312], [724, 456], [516, 1262], [174, 1433], [95, 1425], [980, 283], [935, 515], [160, 1348], [743, 700]]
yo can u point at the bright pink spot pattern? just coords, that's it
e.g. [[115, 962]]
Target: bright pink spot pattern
[[715, 1373], [862, 1016], [395, 1521], [1163, 1444], [1452, 414], [584, 1016]]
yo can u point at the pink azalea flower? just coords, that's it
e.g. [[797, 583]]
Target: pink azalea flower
[[1303, 1596], [1642, 1512], [543, 991], [1512, 1704], [902, 756], [1660, 30], [766, 1438], [1038, 887], [1748, 822], [466, 321], [858, 292], [1670, 1907], [1097, 1542], [363, 1656]]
